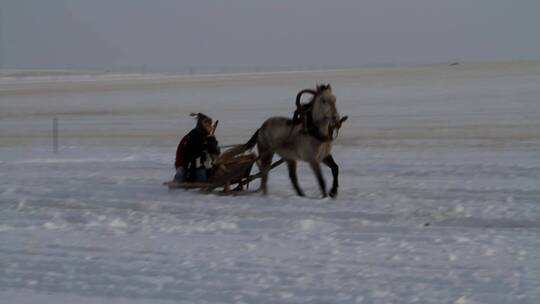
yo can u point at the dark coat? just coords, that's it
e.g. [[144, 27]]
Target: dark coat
[[195, 145]]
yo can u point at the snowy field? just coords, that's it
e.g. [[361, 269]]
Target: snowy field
[[439, 198]]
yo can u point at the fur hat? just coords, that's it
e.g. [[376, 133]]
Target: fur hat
[[200, 117], [203, 121]]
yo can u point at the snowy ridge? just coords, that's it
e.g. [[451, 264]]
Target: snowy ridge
[[438, 199]]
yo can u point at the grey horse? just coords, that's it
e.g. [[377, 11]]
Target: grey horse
[[307, 137]]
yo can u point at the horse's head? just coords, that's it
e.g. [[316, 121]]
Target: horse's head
[[324, 106]]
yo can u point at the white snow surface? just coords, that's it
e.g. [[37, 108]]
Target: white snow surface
[[439, 198]]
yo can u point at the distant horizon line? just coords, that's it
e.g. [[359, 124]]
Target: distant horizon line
[[143, 69]]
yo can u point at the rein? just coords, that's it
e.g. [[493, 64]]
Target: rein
[[341, 121]]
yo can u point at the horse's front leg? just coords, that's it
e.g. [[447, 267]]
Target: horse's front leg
[[318, 173], [329, 161]]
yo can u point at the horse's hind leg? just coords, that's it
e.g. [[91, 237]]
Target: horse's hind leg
[[329, 161], [291, 165], [318, 173], [266, 163]]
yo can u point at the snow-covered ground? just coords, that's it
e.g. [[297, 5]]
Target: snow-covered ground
[[439, 199]]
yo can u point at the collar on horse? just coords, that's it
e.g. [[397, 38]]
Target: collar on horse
[[312, 130], [304, 115]]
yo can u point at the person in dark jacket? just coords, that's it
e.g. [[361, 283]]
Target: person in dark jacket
[[196, 152]]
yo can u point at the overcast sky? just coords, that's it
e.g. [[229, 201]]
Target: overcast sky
[[171, 35]]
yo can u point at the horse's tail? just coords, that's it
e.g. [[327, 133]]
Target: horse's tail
[[239, 149], [252, 141]]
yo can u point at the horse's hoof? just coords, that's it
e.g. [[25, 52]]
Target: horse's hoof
[[333, 193]]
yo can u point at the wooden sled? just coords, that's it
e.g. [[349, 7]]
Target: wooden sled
[[230, 171]]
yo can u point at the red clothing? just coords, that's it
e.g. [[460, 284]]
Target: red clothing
[[180, 153]]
